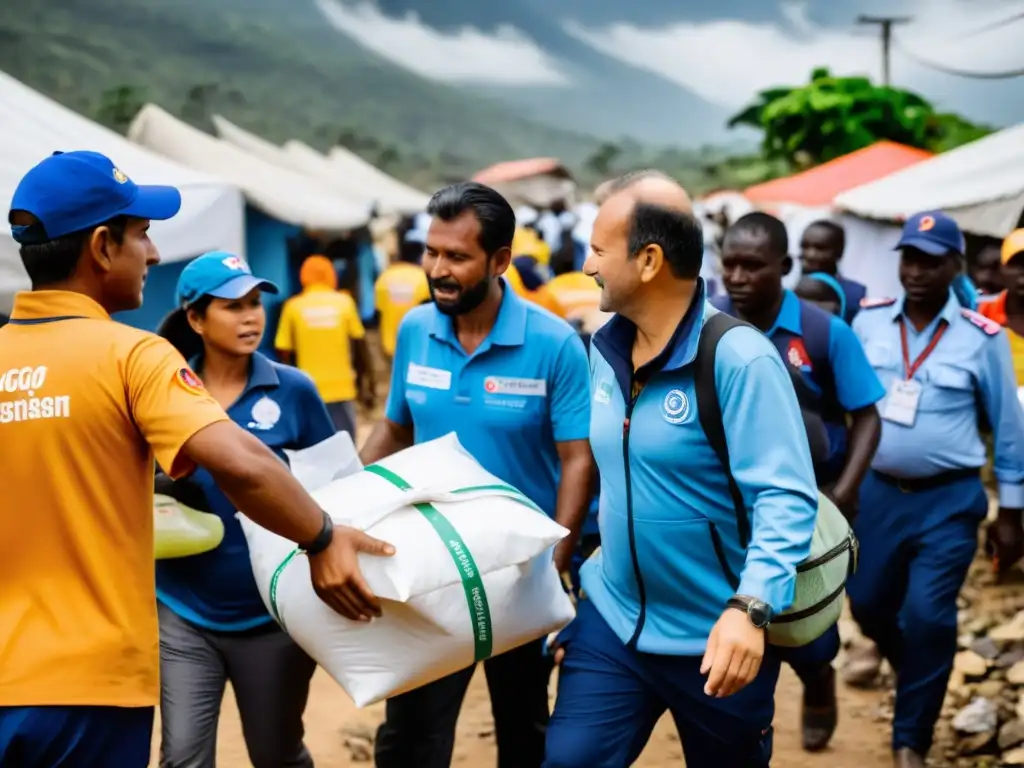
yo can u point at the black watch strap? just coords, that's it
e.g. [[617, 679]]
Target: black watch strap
[[323, 539], [759, 613]]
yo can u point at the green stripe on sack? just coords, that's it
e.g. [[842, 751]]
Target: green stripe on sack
[[472, 581], [274, 610]]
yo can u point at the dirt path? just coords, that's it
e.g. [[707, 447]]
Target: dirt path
[[860, 742]]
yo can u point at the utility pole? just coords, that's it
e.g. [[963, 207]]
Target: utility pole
[[886, 23]]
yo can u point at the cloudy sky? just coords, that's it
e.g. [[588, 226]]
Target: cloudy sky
[[723, 52]]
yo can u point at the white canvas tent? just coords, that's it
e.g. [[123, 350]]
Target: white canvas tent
[[33, 126], [980, 184], [284, 195], [344, 171]]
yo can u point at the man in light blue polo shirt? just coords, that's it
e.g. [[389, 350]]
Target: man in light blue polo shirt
[[660, 627], [462, 364]]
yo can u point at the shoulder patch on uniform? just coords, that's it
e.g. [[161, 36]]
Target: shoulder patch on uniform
[[189, 381], [867, 303], [990, 327]]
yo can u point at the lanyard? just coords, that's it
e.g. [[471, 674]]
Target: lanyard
[[911, 368]]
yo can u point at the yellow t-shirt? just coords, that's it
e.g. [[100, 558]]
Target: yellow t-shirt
[[577, 293], [85, 404], [401, 287], [319, 325]]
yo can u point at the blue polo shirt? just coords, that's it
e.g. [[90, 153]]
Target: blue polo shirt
[[842, 376], [216, 590], [510, 402]]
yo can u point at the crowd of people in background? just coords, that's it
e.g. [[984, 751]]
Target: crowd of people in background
[[567, 366]]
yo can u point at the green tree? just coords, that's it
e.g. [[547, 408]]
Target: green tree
[[833, 116], [600, 161], [119, 105]]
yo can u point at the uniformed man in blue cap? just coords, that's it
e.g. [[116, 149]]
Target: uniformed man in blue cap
[[945, 368]]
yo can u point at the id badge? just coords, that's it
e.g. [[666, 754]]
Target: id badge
[[902, 401]]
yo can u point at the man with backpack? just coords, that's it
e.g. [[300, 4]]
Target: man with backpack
[[674, 608], [834, 378]]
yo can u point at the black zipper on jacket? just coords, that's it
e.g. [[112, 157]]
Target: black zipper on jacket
[[641, 591]]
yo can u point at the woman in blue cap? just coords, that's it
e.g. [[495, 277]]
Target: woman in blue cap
[[214, 627]]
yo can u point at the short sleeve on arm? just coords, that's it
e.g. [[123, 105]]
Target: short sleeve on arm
[[168, 402], [283, 339], [397, 407], [570, 392], [317, 425]]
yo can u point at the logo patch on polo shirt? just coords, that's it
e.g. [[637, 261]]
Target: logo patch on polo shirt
[[189, 381], [265, 414], [603, 393], [675, 408], [797, 355], [505, 385]]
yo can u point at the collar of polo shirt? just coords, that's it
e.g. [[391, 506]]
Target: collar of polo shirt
[[949, 311], [32, 305], [261, 372], [509, 326]]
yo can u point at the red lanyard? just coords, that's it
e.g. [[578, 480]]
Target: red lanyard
[[911, 368]]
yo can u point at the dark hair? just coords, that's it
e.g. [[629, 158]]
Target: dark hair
[[766, 224], [678, 234], [834, 229], [55, 261], [496, 217], [176, 329]]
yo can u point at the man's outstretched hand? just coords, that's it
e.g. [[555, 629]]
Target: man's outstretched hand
[[336, 576]]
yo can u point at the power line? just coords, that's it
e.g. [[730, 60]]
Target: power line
[[885, 23], [959, 72]]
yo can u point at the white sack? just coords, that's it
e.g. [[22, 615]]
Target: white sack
[[437, 619]]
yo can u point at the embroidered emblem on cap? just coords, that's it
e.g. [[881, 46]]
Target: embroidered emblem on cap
[[926, 223], [189, 381], [119, 176], [234, 262], [675, 408]]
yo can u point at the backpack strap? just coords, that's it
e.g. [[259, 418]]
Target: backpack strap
[[816, 329], [709, 408]]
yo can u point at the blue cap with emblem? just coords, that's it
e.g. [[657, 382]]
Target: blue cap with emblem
[[221, 275], [933, 232], [72, 191]]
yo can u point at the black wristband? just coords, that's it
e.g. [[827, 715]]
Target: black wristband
[[322, 540]]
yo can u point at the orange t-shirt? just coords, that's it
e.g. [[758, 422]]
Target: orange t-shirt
[[85, 404], [995, 310], [578, 293]]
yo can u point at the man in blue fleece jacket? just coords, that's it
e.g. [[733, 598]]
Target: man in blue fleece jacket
[[660, 628]]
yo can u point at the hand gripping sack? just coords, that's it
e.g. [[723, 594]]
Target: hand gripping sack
[[472, 576], [180, 531], [821, 578]]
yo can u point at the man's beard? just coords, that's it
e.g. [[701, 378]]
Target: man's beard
[[468, 298]]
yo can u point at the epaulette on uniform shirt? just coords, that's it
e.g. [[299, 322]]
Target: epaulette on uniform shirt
[[990, 327], [866, 303]]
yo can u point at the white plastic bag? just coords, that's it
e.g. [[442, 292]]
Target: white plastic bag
[[472, 576]]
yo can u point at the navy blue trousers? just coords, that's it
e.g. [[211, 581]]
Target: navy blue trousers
[[610, 698], [914, 555], [75, 737]]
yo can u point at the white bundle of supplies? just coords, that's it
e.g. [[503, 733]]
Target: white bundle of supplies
[[472, 576]]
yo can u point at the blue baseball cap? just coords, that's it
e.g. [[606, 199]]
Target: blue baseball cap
[[219, 274], [933, 232], [73, 191]]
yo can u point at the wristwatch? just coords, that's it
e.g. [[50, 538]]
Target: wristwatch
[[758, 611], [322, 540]]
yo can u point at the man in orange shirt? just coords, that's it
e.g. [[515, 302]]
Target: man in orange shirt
[[86, 404], [1007, 308]]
